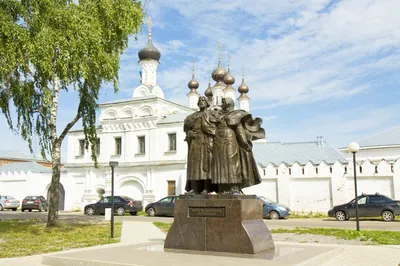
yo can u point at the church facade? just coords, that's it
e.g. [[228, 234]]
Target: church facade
[[144, 134]]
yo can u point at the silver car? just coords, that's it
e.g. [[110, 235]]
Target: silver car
[[8, 202]]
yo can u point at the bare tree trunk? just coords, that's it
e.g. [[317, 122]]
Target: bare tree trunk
[[52, 218]]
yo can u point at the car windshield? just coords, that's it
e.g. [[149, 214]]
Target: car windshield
[[266, 200], [32, 197]]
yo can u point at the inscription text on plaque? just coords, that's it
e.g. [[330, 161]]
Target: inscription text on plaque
[[206, 211]]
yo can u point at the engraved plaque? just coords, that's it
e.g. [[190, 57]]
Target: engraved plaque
[[206, 211]]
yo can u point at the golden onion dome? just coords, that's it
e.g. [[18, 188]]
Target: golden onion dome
[[193, 84], [208, 91], [243, 87]]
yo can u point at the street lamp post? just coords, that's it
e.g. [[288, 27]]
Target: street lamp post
[[112, 164], [354, 148]]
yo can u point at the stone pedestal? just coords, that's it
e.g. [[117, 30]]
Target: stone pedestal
[[220, 223]]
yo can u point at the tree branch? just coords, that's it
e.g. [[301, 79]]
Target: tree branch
[[40, 111], [72, 123]]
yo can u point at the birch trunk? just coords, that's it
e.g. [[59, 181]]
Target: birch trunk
[[52, 218]]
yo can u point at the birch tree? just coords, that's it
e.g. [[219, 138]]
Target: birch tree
[[49, 46]]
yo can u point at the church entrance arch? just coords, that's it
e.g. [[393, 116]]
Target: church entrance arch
[[61, 196], [131, 187]]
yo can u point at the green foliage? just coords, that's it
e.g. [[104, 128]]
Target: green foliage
[[29, 237], [376, 237], [47, 46]]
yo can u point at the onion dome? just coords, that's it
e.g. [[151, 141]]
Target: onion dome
[[193, 84], [219, 73], [208, 91], [229, 79], [149, 51], [243, 87]]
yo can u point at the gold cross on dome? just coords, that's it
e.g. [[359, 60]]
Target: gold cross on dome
[[149, 24], [219, 49], [229, 60], [242, 70], [193, 66]]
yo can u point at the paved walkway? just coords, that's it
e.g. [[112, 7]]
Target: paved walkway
[[142, 244]]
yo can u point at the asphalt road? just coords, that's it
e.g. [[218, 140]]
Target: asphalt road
[[76, 217]]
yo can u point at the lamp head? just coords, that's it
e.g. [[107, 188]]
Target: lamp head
[[354, 147]]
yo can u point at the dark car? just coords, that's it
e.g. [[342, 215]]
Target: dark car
[[274, 210], [34, 203], [122, 204], [368, 206], [164, 206]]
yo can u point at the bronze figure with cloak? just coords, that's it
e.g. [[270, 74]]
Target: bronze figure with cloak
[[220, 156], [199, 136], [233, 166]]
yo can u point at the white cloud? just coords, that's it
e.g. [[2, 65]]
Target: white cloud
[[320, 54], [170, 46], [267, 118], [338, 127], [294, 52]]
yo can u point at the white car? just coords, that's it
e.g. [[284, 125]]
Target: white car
[[8, 202]]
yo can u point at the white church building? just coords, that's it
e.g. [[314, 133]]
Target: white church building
[[144, 134]]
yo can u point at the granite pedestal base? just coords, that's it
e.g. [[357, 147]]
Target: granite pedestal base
[[221, 223]]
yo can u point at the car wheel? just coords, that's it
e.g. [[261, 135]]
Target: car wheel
[[120, 211], [14, 209], [274, 215], [89, 211], [1, 208], [133, 213], [387, 216], [30, 210], [151, 212], [22, 210], [340, 216]]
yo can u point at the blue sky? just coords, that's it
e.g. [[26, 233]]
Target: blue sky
[[314, 67]]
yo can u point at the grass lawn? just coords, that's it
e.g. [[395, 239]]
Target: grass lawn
[[308, 215], [141, 213], [163, 226], [30, 237], [376, 237], [321, 215]]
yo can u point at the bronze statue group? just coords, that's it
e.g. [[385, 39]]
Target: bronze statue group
[[220, 157]]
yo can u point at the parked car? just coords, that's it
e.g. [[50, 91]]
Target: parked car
[[274, 210], [368, 206], [34, 203], [164, 206], [8, 202], [122, 204]]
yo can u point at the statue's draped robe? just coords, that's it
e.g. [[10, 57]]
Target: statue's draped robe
[[232, 159], [199, 136]]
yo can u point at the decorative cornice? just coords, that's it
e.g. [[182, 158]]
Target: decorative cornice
[[122, 165]]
